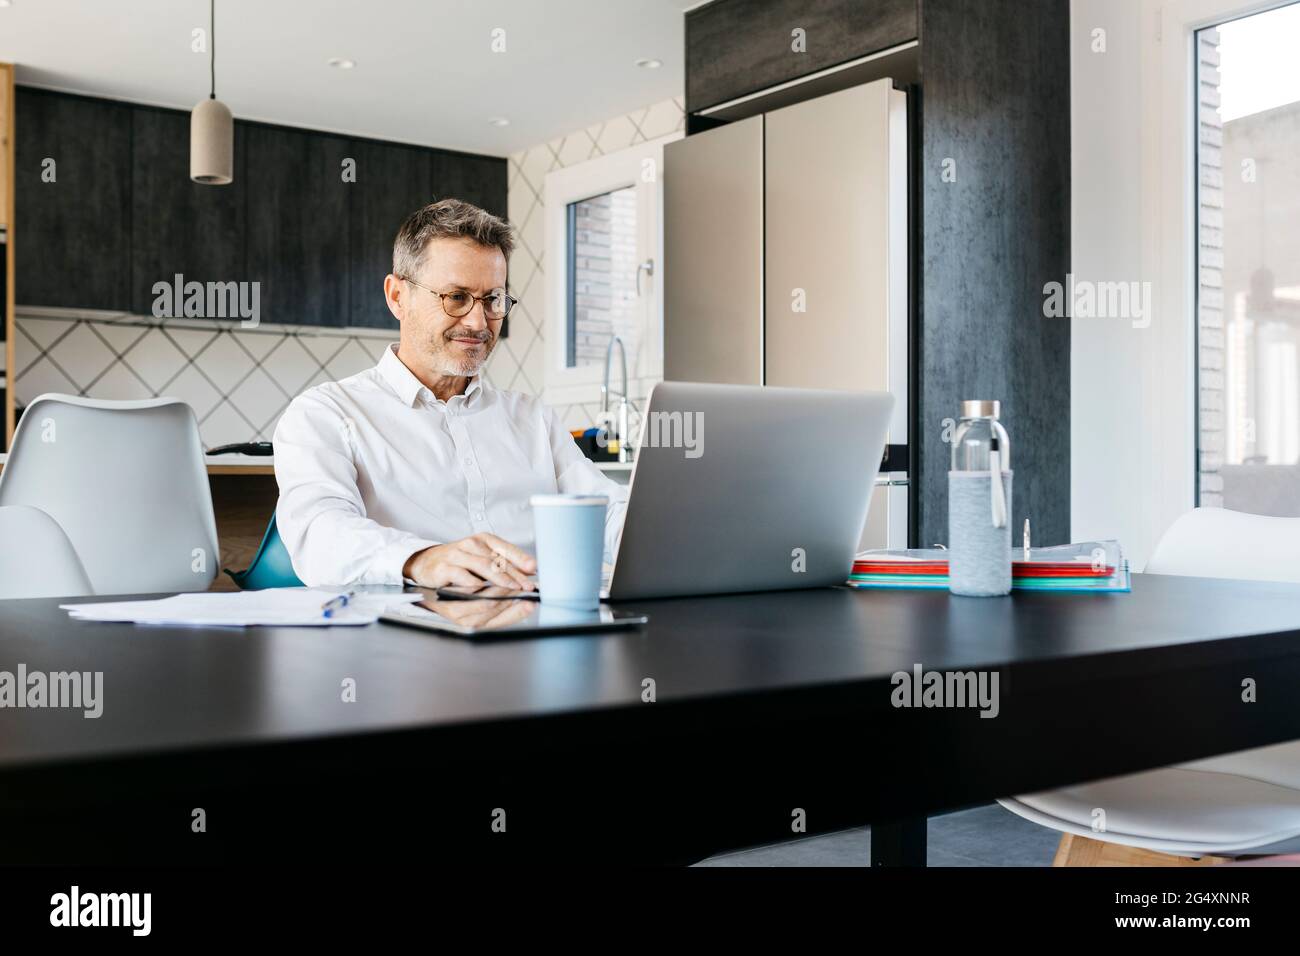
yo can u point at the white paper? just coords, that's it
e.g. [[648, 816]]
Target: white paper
[[295, 607]]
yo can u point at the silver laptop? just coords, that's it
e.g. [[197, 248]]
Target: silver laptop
[[747, 488]]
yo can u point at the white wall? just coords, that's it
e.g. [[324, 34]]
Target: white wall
[[1132, 403], [1107, 369]]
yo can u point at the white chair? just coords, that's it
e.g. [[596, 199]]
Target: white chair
[[1238, 804], [36, 557], [126, 481]]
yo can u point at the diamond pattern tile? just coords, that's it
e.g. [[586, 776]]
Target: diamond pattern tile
[[520, 198], [661, 119], [121, 384], [616, 134], [505, 367], [522, 272], [259, 399], [226, 363], [532, 366], [26, 354], [155, 359], [224, 426], [322, 347], [41, 378], [192, 341], [578, 148], [82, 355], [290, 364], [130, 360], [535, 164], [352, 359], [119, 337], [532, 303], [191, 387], [261, 344], [44, 332], [320, 378], [532, 231]]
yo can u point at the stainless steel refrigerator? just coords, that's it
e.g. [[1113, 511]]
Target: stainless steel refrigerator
[[785, 261]]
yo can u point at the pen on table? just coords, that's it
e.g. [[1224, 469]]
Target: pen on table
[[1026, 539], [337, 601]]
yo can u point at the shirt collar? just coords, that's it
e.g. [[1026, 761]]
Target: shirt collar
[[408, 387]]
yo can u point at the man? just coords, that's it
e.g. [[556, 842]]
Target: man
[[417, 469]]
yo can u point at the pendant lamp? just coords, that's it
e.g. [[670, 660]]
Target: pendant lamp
[[212, 128]]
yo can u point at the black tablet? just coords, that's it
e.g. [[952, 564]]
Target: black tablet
[[509, 618], [485, 592]]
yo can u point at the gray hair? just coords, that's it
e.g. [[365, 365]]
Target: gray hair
[[447, 219]]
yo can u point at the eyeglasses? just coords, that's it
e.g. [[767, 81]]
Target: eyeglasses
[[496, 304]]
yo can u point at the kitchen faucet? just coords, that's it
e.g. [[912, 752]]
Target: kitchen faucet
[[623, 455]]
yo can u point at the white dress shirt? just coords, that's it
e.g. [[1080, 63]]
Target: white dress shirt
[[374, 468]]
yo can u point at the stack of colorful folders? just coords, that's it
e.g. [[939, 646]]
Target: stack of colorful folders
[[1087, 566]]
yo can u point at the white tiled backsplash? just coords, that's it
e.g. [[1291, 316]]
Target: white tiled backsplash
[[239, 381]]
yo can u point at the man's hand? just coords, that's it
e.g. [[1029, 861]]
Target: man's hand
[[486, 614], [471, 561]]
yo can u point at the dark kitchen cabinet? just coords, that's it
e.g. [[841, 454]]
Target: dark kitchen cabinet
[[480, 180], [738, 47], [72, 198], [298, 224], [392, 182], [178, 226], [121, 213]]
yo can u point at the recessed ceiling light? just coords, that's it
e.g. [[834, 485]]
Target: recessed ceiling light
[[650, 63], [342, 63], [499, 121]]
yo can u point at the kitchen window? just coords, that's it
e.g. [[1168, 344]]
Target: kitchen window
[[604, 274], [604, 242]]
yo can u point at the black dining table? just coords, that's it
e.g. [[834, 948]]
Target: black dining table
[[725, 722]]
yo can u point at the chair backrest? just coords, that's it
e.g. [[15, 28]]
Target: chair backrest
[[36, 557], [126, 481], [271, 567], [1217, 543]]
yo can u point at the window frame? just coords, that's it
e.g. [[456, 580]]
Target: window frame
[[1204, 18], [562, 187]]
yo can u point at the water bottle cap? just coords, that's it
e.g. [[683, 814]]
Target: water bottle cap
[[980, 409]]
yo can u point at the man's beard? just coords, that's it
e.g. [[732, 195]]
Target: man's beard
[[448, 362]]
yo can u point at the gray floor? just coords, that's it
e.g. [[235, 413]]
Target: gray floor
[[984, 836]]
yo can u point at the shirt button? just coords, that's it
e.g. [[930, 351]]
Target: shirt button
[[469, 461], [478, 517]]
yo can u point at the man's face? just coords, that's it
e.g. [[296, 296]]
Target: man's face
[[447, 345]]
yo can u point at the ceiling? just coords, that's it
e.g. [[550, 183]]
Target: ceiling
[[425, 70]]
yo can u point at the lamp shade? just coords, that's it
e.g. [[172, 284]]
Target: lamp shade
[[212, 143]]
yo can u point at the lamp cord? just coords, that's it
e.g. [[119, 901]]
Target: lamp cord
[[212, 46]]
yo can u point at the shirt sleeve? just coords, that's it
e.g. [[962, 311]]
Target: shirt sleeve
[[576, 474], [321, 515]]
